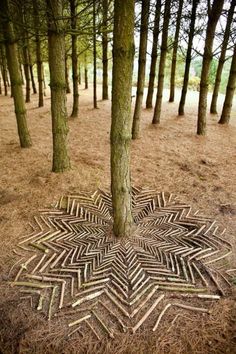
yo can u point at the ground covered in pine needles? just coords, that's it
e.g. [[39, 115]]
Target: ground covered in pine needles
[[168, 157]]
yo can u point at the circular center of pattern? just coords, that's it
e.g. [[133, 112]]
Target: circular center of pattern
[[73, 265]]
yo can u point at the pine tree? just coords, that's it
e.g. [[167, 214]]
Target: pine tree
[[188, 57], [213, 17], [225, 115], [161, 73], [15, 75], [213, 108], [56, 58], [175, 49], [123, 53]]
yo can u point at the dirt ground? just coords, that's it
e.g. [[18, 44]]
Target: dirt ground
[[168, 157]]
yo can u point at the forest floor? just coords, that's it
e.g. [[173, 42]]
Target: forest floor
[[168, 157]]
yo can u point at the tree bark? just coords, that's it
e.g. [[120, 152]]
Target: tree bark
[[104, 50], [161, 73], [152, 72], [67, 75], [26, 67], [4, 67], [225, 115], [85, 72], [123, 52], [213, 17], [79, 76], [94, 57], [188, 58], [32, 79], [74, 59], [141, 68], [15, 76], [174, 55], [56, 56], [213, 108], [39, 61]]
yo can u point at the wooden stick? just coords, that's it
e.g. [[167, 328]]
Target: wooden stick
[[148, 313], [191, 308], [160, 316], [79, 320]]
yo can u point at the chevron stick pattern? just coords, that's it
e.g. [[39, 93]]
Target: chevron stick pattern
[[73, 266]]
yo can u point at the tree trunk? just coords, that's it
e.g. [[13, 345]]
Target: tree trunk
[[225, 115], [67, 75], [213, 108], [32, 79], [38, 54], [85, 72], [141, 68], [26, 67], [174, 55], [213, 17], [123, 52], [79, 77], [152, 72], [4, 67], [94, 57], [15, 76], [188, 57], [74, 59], [161, 73], [56, 57], [104, 50]]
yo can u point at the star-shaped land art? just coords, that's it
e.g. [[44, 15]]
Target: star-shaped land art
[[72, 265]]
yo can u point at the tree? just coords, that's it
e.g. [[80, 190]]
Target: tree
[[4, 67], [213, 16], [39, 61], [15, 75], [213, 108], [74, 59], [225, 115], [123, 53], [94, 57], [104, 50], [141, 68], [85, 71], [175, 49], [188, 57], [161, 73], [56, 58], [152, 72]]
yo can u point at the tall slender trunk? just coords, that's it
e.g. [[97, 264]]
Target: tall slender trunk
[[175, 49], [152, 72], [141, 68], [38, 54], [32, 79], [15, 76], [67, 75], [56, 57], [104, 50], [188, 58], [26, 67], [79, 76], [161, 73], [225, 115], [74, 59], [0, 85], [94, 57], [4, 67], [213, 17], [123, 52], [85, 72], [213, 108]]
